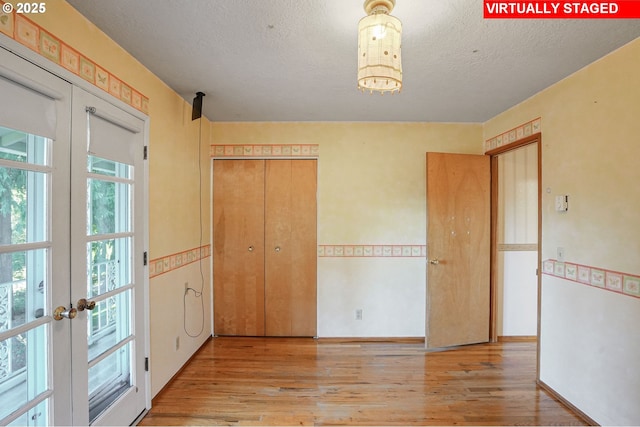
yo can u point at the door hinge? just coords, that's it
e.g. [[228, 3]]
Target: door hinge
[[144, 258], [146, 152], [146, 364]]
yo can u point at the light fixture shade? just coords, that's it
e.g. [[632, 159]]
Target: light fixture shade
[[379, 56]]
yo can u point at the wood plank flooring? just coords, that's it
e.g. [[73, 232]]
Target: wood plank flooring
[[299, 381]]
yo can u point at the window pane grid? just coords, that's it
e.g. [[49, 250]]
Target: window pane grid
[[35, 415], [106, 167], [24, 166], [22, 147], [23, 374], [108, 265], [25, 188], [108, 207]]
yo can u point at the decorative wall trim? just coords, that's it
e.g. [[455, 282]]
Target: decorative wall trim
[[372, 251], [517, 247], [169, 263], [28, 33], [609, 280], [519, 132], [264, 151]]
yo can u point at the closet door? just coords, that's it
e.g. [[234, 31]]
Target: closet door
[[290, 247], [238, 240]]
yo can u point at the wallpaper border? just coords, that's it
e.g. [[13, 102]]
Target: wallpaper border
[[513, 135], [608, 280], [264, 151], [168, 263], [26, 32], [372, 251], [165, 264]]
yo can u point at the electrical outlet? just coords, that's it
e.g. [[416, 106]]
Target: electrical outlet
[[186, 287], [177, 343], [359, 314]]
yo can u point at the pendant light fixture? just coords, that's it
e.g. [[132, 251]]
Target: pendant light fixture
[[379, 42]]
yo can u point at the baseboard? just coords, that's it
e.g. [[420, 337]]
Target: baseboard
[[566, 403], [180, 370], [518, 338], [371, 340]]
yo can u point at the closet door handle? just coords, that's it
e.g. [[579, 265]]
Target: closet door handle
[[250, 248], [277, 249]]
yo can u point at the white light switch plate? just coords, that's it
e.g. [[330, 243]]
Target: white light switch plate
[[562, 203]]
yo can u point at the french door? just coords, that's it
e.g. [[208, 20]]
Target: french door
[[71, 278], [107, 274], [35, 119]]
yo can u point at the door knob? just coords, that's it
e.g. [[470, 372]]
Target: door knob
[[250, 248], [61, 313], [277, 249], [434, 261], [84, 304]]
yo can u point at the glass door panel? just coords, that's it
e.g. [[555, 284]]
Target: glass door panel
[[25, 382], [24, 370], [109, 378], [109, 265], [34, 417], [109, 324], [108, 281], [109, 262]]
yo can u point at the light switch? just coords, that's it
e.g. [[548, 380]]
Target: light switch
[[562, 203]]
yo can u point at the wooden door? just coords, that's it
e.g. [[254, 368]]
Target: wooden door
[[458, 249], [290, 247], [238, 242]]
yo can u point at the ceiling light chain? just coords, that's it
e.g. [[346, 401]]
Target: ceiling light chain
[[379, 47]]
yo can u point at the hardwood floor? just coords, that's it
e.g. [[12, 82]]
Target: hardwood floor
[[297, 381]]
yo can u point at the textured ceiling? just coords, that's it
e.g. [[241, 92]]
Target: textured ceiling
[[295, 60]]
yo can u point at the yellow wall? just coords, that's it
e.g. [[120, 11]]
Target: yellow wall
[[589, 121], [589, 336], [371, 191], [174, 189], [371, 184], [173, 136]]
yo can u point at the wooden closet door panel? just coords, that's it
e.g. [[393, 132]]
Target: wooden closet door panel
[[238, 242], [290, 247]]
